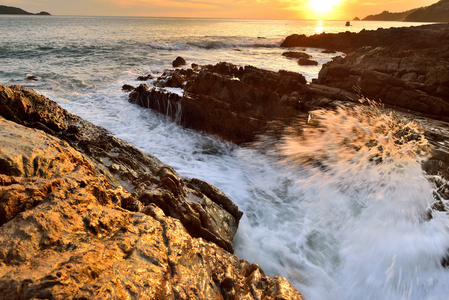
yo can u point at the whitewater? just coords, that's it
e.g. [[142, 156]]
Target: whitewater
[[343, 211]]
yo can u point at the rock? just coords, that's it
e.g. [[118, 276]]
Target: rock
[[232, 102], [124, 165], [145, 78], [80, 217], [31, 78], [179, 61], [128, 88], [307, 62], [396, 39], [293, 54], [403, 67]]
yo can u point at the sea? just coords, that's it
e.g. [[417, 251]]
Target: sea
[[337, 218]]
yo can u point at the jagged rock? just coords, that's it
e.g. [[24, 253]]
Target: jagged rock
[[145, 78], [123, 165], [179, 61], [404, 67], [232, 102], [80, 217]]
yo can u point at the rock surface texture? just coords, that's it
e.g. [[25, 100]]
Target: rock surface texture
[[84, 215], [232, 102], [403, 67]]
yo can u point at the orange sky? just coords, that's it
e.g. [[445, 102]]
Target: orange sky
[[261, 9]]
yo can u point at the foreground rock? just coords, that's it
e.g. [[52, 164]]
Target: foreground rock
[[85, 215], [403, 67], [232, 102]]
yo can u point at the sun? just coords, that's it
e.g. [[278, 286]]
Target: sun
[[322, 7]]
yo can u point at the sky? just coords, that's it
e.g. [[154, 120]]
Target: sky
[[259, 9]]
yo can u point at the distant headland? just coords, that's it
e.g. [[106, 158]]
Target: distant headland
[[9, 10], [438, 12]]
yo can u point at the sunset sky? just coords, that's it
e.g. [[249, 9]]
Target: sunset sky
[[261, 9]]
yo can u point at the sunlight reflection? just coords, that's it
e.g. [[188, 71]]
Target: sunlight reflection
[[319, 28]]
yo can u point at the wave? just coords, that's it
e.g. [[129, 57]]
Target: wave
[[219, 44]]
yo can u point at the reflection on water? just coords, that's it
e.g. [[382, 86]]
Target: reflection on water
[[319, 27]]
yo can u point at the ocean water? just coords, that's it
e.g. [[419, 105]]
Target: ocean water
[[339, 218]]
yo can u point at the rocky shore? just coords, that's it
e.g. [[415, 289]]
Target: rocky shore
[[84, 215], [405, 70], [87, 216]]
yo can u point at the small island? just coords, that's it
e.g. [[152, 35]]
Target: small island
[[9, 10]]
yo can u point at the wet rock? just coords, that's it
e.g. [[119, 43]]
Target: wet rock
[[128, 88], [403, 67], [179, 61], [293, 54], [145, 78], [307, 62], [31, 78], [67, 231], [232, 102]]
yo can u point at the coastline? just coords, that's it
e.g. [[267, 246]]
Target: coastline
[[106, 199]]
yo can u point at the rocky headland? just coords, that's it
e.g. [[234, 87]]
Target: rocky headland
[[438, 12], [10, 10], [405, 70], [84, 215]]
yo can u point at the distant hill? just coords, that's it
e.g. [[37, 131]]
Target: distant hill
[[438, 12], [9, 10]]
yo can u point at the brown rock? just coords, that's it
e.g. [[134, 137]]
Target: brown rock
[[231, 102], [65, 234], [179, 61], [293, 54], [307, 62], [122, 164]]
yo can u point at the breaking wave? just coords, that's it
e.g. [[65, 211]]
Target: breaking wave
[[218, 44]]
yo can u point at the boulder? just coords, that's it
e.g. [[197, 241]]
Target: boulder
[[179, 61], [84, 215]]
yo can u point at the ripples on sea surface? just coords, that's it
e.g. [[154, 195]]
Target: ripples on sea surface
[[347, 229]]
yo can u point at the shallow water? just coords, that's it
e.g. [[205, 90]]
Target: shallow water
[[340, 223]]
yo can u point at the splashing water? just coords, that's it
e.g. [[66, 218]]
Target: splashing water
[[370, 229]]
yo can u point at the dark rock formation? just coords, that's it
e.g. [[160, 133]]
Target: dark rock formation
[[84, 215], [294, 54], [145, 78], [234, 103], [128, 88], [396, 39], [307, 62], [404, 67], [179, 61]]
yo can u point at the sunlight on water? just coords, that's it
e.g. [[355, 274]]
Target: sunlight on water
[[319, 27]]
